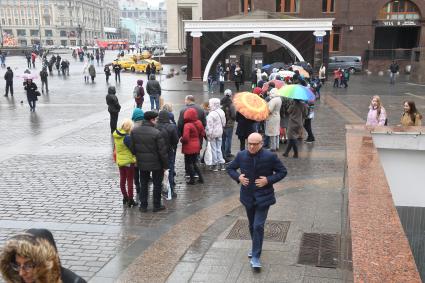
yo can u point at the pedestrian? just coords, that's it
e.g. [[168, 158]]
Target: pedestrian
[[32, 257], [92, 72], [139, 93], [125, 161], [221, 80], [284, 118], [44, 80], [58, 63], [153, 68], [244, 128], [272, 128], [153, 88], [171, 138], [33, 57], [107, 72], [393, 71], [377, 116], [3, 59], [8, 77], [238, 78], [97, 56], [337, 77], [28, 57], [345, 77], [210, 83], [63, 67], [322, 74], [297, 112], [117, 71], [151, 153], [169, 108], [86, 72], [137, 118], [102, 56], [32, 93], [307, 122], [216, 121], [411, 116], [259, 170], [193, 133], [230, 113], [52, 62], [114, 107], [189, 102], [148, 70]]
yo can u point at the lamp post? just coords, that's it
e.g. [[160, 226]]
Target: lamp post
[[39, 22], [79, 30]]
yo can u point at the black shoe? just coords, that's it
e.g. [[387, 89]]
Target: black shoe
[[285, 154], [173, 195], [5, 95], [200, 181], [124, 200], [156, 209], [191, 182], [131, 203], [143, 209]]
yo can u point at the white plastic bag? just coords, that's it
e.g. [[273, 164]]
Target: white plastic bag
[[166, 185], [208, 155]]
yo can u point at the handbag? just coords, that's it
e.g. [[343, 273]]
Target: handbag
[[208, 154], [37, 93]]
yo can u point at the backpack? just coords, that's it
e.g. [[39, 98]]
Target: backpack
[[136, 91]]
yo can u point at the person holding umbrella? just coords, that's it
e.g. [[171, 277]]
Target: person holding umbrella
[[31, 89]]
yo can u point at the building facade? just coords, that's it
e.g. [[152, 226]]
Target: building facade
[[58, 22]]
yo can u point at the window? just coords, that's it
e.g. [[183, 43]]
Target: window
[[16, 22], [9, 21], [64, 42], [335, 39], [30, 22], [328, 6], [48, 32], [8, 31], [49, 42], [21, 32], [399, 10], [243, 5], [23, 22], [288, 6], [34, 32], [3, 21], [63, 33], [36, 22]]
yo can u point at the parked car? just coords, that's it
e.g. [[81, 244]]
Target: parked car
[[140, 66], [352, 63], [125, 62]]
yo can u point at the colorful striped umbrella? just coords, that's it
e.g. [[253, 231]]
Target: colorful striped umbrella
[[251, 106], [297, 92], [277, 84]]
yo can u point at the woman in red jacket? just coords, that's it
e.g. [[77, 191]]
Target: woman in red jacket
[[193, 132]]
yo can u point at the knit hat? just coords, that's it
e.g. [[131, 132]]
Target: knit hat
[[138, 114], [149, 115]]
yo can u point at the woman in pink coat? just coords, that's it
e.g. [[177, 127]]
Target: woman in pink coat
[[377, 115]]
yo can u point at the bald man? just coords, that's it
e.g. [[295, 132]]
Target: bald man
[[256, 169]]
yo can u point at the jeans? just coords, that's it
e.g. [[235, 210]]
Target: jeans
[[392, 78], [114, 120], [226, 147], [9, 86], [171, 165], [117, 77], [266, 141], [157, 176], [127, 175], [274, 142], [32, 104], [256, 218], [217, 156], [154, 100], [44, 83]]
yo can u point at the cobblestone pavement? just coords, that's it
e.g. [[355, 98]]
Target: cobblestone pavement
[[56, 166]]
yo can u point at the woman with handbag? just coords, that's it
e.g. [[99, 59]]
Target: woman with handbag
[[32, 93]]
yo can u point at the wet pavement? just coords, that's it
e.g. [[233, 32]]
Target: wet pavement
[[56, 171]]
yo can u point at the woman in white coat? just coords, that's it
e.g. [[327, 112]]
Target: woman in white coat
[[216, 120], [273, 122]]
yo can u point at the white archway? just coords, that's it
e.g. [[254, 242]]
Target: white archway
[[249, 35]]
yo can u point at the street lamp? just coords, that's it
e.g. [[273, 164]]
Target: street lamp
[[39, 22], [79, 30]]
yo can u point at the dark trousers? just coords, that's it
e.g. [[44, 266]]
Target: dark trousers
[[118, 77], [237, 85], [307, 127], [126, 176], [107, 78], [242, 143], [336, 82], [257, 219], [191, 165], [44, 83], [171, 165], [157, 176], [29, 64], [137, 179], [292, 144], [9, 86], [32, 104], [226, 146], [113, 121]]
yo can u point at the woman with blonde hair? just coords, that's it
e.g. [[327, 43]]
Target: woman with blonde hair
[[125, 160], [377, 115], [411, 116]]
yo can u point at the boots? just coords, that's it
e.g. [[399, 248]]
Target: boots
[[125, 200], [191, 181], [131, 203]]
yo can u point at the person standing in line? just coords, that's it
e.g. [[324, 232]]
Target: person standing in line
[[125, 161], [92, 72], [216, 121], [337, 77], [151, 153], [107, 72], [256, 169], [297, 112], [272, 129], [377, 116], [238, 78], [189, 102], [411, 116], [153, 68], [114, 107], [117, 71], [139, 94], [153, 88], [244, 128], [137, 118], [393, 71], [148, 70], [230, 112], [44, 80], [31, 89], [8, 76]]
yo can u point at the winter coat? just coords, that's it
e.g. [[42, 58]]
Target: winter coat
[[193, 132], [153, 88], [406, 120], [31, 94], [263, 163], [229, 111], [140, 93], [297, 112], [117, 68], [200, 114], [373, 119], [168, 130], [107, 71], [245, 126], [322, 73], [238, 76], [92, 71], [216, 120], [43, 75], [8, 76], [149, 147], [122, 146], [273, 121], [284, 115], [113, 104]]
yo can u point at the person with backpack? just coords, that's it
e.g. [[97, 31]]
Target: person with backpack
[[43, 76], [377, 116], [139, 93]]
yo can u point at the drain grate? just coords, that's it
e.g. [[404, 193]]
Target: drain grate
[[321, 250], [274, 231]]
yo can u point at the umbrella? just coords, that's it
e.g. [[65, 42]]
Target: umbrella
[[277, 84], [270, 67], [28, 76], [251, 106], [286, 73], [297, 92]]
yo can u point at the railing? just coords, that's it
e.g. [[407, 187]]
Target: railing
[[393, 54]]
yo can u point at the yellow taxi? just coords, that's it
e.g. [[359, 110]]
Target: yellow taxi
[[141, 65], [125, 62]]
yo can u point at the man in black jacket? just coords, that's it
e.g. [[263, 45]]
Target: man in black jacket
[[148, 144], [8, 76], [189, 101], [117, 71], [114, 107]]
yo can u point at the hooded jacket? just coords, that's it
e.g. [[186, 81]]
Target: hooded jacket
[[273, 121], [193, 132], [153, 88], [141, 92], [229, 110], [216, 120], [168, 130], [200, 113], [122, 145], [112, 101]]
